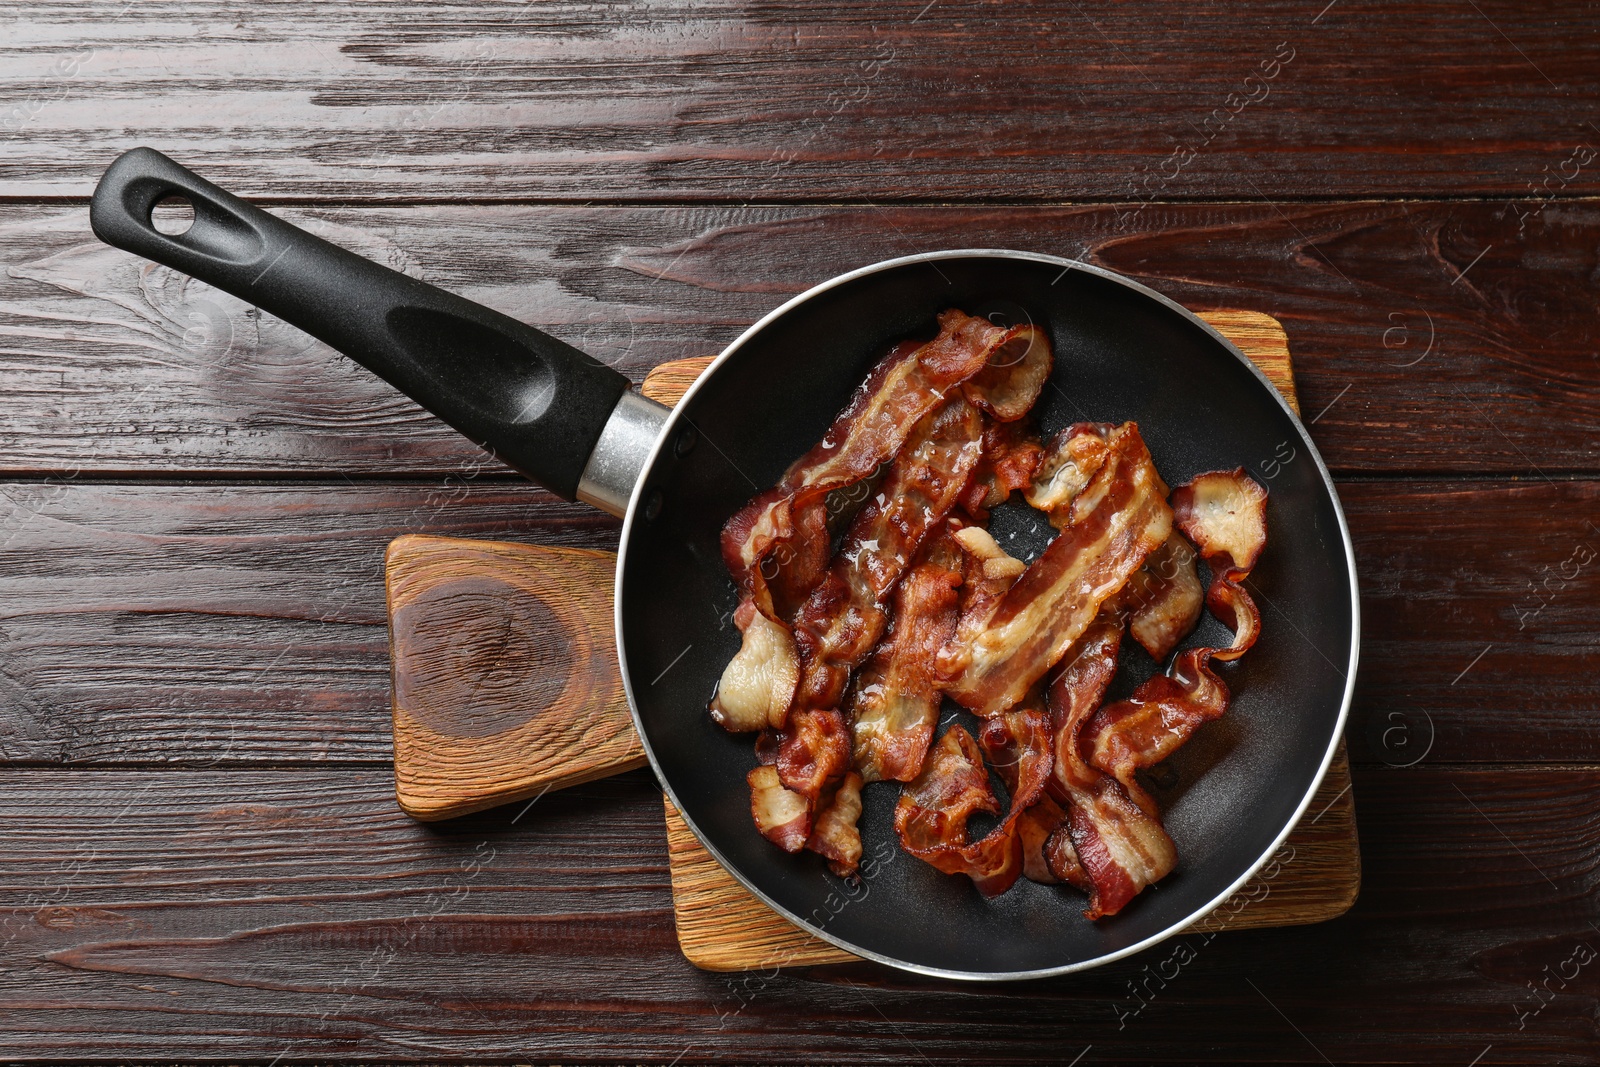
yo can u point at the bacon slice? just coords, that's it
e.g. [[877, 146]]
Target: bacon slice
[[1061, 856], [782, 816], [776, 546], [844, 616], [907, 384], [1008, 385], [1003, 648], [931, 815], [1035, 827], [1224, 512], [812, 751], [1164, 597], [1011, 456], [1066, 464], [835, 836], [1119, 847], [894, 702]]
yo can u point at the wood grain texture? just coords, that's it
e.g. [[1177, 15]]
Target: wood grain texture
[[1428, 337], [249, 914], [203, 624], [504, 666], [723, 927], [817, 100], [646, 180]]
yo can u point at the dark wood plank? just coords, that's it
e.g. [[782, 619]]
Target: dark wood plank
[[821, 101], [251, 914], [114, 367], [204, 623], [222, 622]]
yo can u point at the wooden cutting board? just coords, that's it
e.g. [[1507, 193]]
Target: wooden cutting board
[[505, 686]]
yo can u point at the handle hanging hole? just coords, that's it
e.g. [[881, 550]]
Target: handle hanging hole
[[172, 215]]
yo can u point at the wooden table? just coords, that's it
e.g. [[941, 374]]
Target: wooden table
[[200, 855]]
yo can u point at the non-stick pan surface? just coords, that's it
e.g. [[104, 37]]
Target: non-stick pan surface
[[1122, 352]]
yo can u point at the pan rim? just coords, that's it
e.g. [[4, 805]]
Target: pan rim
[[669, 432]]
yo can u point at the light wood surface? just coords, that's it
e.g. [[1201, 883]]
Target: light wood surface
[[472, 595], [505, 677]]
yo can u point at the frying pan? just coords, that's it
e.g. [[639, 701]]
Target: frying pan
[[1123, 351]]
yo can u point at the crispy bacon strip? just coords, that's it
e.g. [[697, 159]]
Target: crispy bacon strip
[[1061, 856], [835, 836], [1224, 513], [1119, 847], [931, 815], [1035, 827], [1066, 464], [1163, 599], [844, 616], [812, 751], [894, 702], [782, 816], [1003, 648], [907, 384], [776, 546], [1008, 385]]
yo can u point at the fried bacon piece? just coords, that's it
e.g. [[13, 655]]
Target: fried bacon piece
[[1066, 465], [1011, 456], [1118, 846], [1035, 827], [782, 816], [813, 750], [844, 616], [931, 815], [757, 685], [835, 835], [1001, 649], [1163, 599], [894, 702], [988, 570], [1008, 385], [1012, 743], [1224, 513], [907, 384]]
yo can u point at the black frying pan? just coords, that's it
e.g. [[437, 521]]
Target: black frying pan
[[1122, 352]]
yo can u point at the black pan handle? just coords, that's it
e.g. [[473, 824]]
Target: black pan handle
[[532, 400]]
